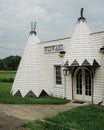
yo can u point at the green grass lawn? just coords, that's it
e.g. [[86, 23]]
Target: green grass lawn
[[7, 76], [7, 98], [81, 118]]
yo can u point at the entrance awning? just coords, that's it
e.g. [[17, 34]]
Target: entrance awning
[[85, 63]]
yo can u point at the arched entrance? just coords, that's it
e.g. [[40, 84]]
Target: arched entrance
[[82, 84]]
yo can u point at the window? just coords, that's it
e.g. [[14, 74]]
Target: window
[[58, 75], [79, 82]]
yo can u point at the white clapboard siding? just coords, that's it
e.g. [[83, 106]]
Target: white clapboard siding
[[80, 48], [69, 87], [30, 69], [98, 85], [36, 71], [50, 60]]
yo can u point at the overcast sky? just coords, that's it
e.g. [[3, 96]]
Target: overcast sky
[[55, 19]]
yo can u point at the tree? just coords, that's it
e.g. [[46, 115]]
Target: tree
[[10, 63]]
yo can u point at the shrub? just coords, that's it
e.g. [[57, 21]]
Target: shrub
[[10, 80]]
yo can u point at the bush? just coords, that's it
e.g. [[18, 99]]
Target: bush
[[7, 76], [10, 80]]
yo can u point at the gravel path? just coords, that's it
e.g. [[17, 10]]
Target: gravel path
[[12, 116], [9, 122]]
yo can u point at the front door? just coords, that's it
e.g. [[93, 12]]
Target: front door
[[82, 85]]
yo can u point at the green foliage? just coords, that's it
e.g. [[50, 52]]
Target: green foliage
[[10, 80], [43, 125], [7, 76], [10, 63], [81, 118], [7, 98]]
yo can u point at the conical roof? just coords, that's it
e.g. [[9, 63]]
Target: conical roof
[[80, 52], [27, 80]]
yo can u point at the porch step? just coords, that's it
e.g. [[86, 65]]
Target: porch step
[[78, 102], [81, 102]]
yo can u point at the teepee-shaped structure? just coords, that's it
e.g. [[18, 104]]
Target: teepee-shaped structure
[[80, 52], [27, 81]]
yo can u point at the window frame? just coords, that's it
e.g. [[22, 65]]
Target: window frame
[[58, 75]]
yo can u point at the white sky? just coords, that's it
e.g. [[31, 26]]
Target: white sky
[[55, 19]]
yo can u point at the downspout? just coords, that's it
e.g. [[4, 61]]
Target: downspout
[[102, 73], [64, 73], [72, 88], [92, 87], [103, 69], [65, 86], [102, 50]]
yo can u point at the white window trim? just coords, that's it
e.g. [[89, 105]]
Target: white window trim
[[57, 85]]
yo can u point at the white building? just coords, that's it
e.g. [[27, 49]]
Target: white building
[[71, 68]]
